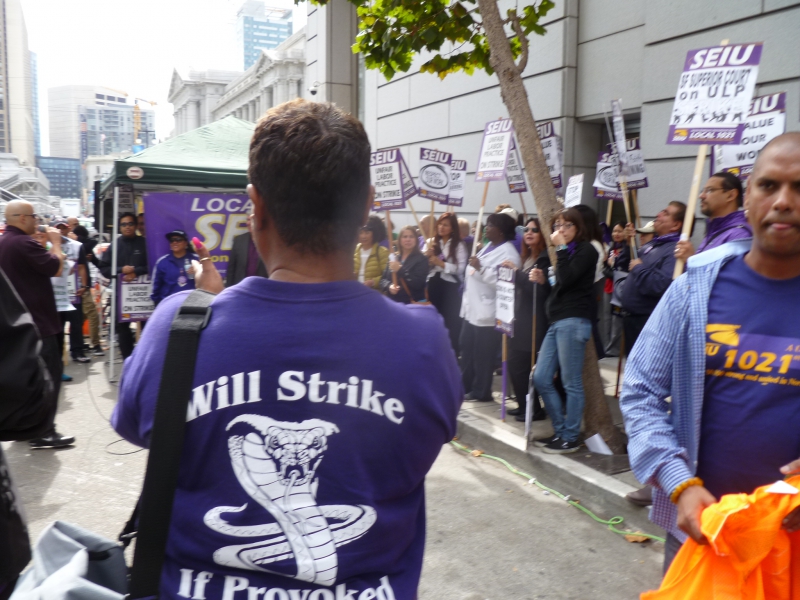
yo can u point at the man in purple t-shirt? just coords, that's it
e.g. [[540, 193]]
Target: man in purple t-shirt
[[316, 413], [720, 200]]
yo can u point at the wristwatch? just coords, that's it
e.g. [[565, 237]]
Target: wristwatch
[[561, 247]]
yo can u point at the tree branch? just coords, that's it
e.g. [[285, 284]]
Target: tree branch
[[523, 40]]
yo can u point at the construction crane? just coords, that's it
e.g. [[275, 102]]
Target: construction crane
[[137, 117]]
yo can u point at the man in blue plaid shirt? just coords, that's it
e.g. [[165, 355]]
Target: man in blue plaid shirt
[[724, 344]]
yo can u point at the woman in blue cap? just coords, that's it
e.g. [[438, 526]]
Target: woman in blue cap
[[174, 272]]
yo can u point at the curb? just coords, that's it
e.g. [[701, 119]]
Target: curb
[[600, 493]]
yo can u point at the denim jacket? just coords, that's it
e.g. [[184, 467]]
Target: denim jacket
[[669, 360]]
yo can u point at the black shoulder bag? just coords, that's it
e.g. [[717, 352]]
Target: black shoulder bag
[[166, 443]]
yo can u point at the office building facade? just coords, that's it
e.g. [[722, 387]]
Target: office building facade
[[64, 174], [87, 120], [261, 27], [594, 51]]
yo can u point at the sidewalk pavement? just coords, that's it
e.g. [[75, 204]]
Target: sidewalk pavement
[[599, 482]]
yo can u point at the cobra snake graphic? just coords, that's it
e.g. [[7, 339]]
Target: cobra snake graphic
[[277, 469]]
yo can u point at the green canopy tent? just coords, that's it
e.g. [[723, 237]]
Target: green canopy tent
[[213, 157]]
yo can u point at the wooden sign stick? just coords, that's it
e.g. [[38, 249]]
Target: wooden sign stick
[[608, 212], [416, 218], [480, 220], [691, 204]]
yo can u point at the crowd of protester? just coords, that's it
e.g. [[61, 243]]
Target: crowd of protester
[[610, 283]]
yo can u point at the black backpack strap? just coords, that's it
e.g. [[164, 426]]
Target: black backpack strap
[[166, 443]]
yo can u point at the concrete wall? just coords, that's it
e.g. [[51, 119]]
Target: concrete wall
[[594, 51]]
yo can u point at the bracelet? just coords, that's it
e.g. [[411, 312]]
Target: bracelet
[[206, 258], [675, 496]]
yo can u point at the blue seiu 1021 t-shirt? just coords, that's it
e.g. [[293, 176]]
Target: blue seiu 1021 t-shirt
[[317, 411], [751, 407]]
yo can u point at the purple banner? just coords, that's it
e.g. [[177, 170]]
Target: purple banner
[[215, 219], [714, 94]]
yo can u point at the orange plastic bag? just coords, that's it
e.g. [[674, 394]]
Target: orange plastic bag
[[749, 556]]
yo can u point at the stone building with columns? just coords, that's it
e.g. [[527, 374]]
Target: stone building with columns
[[206, 96], [195, 96]]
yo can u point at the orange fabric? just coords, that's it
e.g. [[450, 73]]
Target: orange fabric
[[749, 556]]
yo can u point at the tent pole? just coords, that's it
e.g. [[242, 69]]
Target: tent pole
[[112, 326]]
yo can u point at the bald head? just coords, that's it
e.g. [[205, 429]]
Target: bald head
[[786, 142], [773, 204], [73, 223], [20, 214]]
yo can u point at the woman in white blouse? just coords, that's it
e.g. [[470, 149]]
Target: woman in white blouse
[[480, 341], [447, 257]]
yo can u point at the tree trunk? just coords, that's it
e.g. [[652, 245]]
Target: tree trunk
[[597, 414], [512, 91]]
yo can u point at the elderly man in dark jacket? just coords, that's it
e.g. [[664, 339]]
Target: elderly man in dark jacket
[[651, 273], [130, 251]]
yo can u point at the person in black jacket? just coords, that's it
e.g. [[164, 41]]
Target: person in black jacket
[[87, 301], [25, 413], [520, 346], [409, 267], [615, 269], [569, 309], [130, 251]]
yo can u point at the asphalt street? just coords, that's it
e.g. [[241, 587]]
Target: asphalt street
[[491, 535]]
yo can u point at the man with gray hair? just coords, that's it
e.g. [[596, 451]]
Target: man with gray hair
[[29, 267]]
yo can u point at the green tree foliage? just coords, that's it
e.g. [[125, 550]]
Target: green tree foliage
[[391, 32]]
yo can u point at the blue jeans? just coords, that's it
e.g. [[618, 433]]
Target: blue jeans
[[563, 350]]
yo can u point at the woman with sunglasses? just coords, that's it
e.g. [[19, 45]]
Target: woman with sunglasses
[[447, 257], [173, 272], [569, 309], [520, 347], [404, 277]]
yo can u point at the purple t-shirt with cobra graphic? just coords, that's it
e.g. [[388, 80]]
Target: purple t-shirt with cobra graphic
[[315, 415]]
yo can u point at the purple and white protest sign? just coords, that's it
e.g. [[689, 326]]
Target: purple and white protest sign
[[515, 178], [215, 219], [458, 177], [133, 299], [434, 174], [574, 191], [619, 138], [497, 137], [504, 303], [605, 180], [766, 121], [551, 146], [391, 178], [714, 94]]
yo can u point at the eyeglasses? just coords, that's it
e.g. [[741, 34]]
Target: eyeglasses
[[530, 230], [34, 215], [176, 240], [708, 190], [127, 224], [565, 225]]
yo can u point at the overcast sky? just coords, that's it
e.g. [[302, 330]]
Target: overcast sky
[[132, 46]]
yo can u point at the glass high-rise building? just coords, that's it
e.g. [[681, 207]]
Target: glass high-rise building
[[65, 175], [37, 138], [260, 27]]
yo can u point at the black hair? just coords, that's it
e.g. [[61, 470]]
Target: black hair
[[590, 223], [309, 162], [81, 231], [731, 182], [131, 215], [505, 223], [378, 228]]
